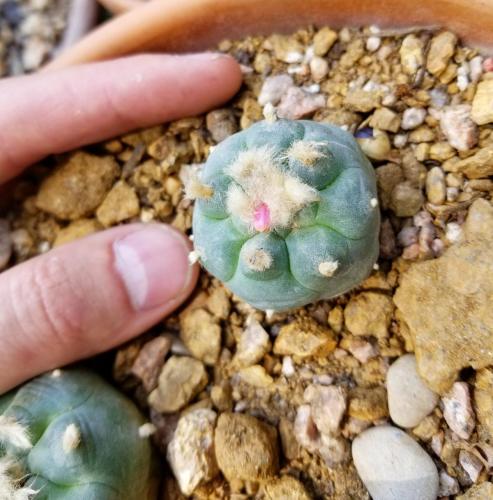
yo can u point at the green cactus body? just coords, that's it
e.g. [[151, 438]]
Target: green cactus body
[[286, 213], [74, 437]]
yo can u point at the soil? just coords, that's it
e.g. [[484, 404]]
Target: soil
[[418, 102]]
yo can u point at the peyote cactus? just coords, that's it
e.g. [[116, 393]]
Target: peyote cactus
[[286, 213], [69, 435]]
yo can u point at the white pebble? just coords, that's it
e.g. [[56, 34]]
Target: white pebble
[[448, 485], [373, 43], [453, 232], [412, 118], [400, 140], [475, 68], [294, 57], [146, 430], [471, 464], [274, 88], [393, 466], [287, 366], [457, 410], [410, 400]]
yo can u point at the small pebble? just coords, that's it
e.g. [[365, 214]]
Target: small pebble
[[296, 104], [471, 464], [457, 410], [273, 88], [456, 124], [328, 405], [319, 68], [412, 118], [373, 43], [410, 400], [448, 485], [441, 50], [435, 186], [453, 232], [221, 123], [393, 466]]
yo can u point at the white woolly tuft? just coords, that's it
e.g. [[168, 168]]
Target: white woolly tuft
[[374, 203], [260, 181], [306, 152], [258, 259], [269, 113], [9, 483], [71, 438], [14, 434], [195, 189], [57, 373], [328, 268], [146, 430]]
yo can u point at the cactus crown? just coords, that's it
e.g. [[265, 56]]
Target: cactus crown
[[286, 213]]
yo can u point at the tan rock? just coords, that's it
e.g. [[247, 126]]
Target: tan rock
[[304, 337], [256, 376], [76, 230], [246, 448], [362, 100], [388, 176], [286, 488], [368, 404], [483, 398], [221, 123], [191, 451], [481, 491], [218, 303], [120, 204], [181, 379], [442, 48], [369, 313], [290, 446], [461, 132], [406, 200], [253, 344], [221, 396], [150, 360], [477, 166], [287, 48], [436, 190], [201, 334], [412, 54], [446, 304], [78, 187], [323, 41], [482, 103], [385, 119]]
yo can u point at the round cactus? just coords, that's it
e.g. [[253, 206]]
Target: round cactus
[[69, 435], [286, 213]]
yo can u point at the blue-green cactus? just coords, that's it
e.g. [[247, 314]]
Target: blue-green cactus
[[69, 435], [286, 213]]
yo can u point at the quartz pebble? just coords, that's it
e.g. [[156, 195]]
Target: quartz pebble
[[410, 400], [253, 344], [448, 485], [471, 464], [297, 103], [273, 88], [456, 124], [393, 466], [412, 118], [457, 410], [319, 68], [328, 404], [191, 450]]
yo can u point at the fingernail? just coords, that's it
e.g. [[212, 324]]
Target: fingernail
[[153, 264]]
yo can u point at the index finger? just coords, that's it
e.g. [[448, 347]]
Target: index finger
[[57, 111]]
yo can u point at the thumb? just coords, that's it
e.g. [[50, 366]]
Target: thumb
[[88, 296]]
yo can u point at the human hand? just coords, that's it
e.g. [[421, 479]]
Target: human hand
[[88, 296]]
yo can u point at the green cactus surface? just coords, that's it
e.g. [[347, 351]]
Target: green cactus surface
[[69, 435], [286, 213]]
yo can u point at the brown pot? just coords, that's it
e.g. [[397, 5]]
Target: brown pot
[[189, 25]]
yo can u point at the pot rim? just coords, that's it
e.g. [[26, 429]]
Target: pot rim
[[191, 25]]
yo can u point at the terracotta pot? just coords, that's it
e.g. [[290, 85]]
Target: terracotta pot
[[188, 25], [119, 6]]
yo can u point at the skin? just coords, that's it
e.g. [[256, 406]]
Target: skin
[[91, 295]]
